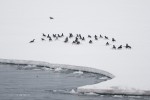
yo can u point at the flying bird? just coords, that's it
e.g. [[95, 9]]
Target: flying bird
[[51, 17]]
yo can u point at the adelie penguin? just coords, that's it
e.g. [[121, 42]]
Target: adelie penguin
[[114, 47], [96, 37], [62, 35], [58, 35], [127, 46], [70, 35], [42, 39], [90, 42], [50, 39], [106, 37], [66, 40], [76, 39], [113, 40], [101, 36], [89, 36], [80, 35], [78, 42], [107, 43], [48, 36], [120, 47], [44, 35], [77, 35], [32, 41], [83, 38], [54, 35], [73, 42]]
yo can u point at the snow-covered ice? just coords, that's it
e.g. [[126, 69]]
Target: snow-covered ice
[[127, 21], [78, 72], [58, 69]]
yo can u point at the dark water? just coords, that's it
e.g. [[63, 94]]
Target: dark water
[[19, 82]]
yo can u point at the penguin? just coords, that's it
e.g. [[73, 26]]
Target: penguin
[[32, 41], [78, 42], [107, 43], [101, 36], [127, 46], [42, 39], [96, 37], [106, 37], [113, 40], [89, 36], [70, 35], [90, 42], [66, 40], [48, 36], [62, 35], [114, 47], [44, 35], [120, 47]]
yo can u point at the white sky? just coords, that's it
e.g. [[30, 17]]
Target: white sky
[[126, 20], [115, 17]]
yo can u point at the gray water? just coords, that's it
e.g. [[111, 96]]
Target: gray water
[[21, 82]]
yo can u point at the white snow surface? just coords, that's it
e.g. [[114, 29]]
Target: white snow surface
[[126, 20]]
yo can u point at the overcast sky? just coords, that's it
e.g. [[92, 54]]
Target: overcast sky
[[115, 17], [126, 20]]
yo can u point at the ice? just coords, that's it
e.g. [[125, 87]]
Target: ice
[[103, 78], [57, 69], [47, 69], [91, 93], [78, 72], [73, 91], [126, 21]]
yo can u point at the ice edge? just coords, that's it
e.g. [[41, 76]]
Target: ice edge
[[110, 91]]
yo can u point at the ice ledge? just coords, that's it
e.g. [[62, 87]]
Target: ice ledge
[[105, 88], [111, 88], [46, 64], [115, 91]]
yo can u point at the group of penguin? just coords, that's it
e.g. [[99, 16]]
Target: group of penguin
[[78, 39]]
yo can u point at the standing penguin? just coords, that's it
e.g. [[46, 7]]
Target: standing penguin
[[32, 41]]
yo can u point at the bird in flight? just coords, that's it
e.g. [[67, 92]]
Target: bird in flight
[[51, 17]]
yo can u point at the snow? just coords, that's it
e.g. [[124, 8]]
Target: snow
[[78, 72], [73, 91], [127, 21], [58, 69]]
